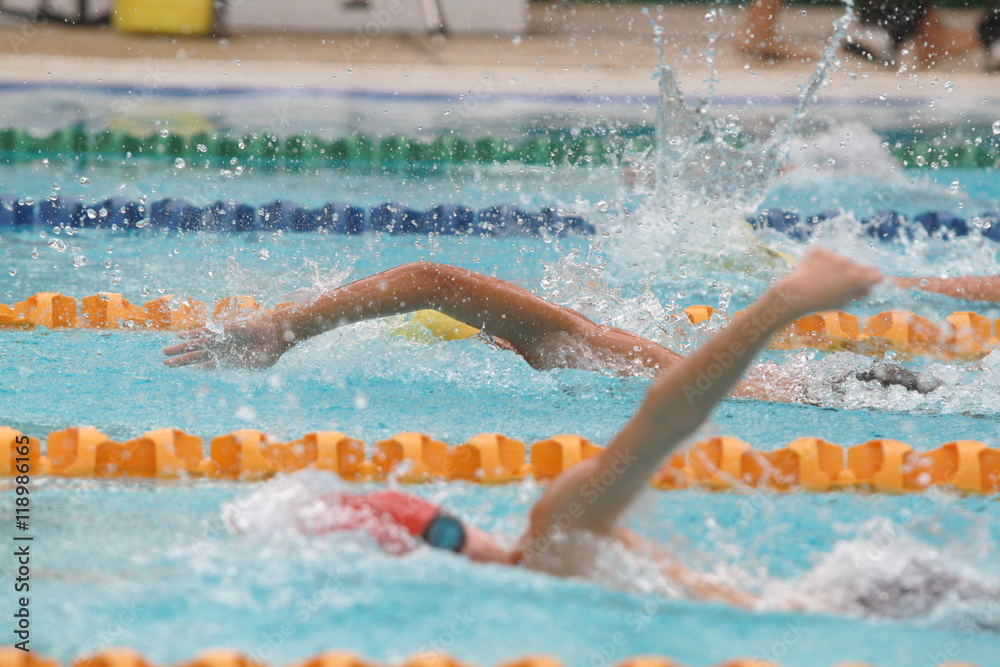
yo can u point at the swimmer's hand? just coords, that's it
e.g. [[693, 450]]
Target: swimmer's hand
[[887, 374], [255, 344], [823, 280]]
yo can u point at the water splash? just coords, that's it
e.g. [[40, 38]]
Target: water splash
[[705, 181], [322, 281], [886, 572]]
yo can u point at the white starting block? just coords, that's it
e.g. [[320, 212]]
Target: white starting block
[[492, 17], [375, 17]]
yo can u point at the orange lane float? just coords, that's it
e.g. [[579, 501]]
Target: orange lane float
[[125, 657], [113, 657], [416, 457], [963, 335], [335, 659], [560, 452], [719, 463], [110, 310], [174, 313], [828, 330], [47, 309], [489, 458]]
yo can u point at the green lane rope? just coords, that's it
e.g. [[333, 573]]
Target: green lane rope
[[593, 147], [359, 151]]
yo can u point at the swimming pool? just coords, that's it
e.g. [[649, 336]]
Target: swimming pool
[[155, 565]]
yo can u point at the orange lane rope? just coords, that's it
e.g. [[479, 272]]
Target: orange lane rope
[[963, 335], [491, 458], [125, 657]]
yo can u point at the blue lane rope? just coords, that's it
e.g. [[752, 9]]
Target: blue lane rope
[[885, 225], [334, 217], [394, 218]]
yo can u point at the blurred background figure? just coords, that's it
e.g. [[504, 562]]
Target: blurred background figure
[[883, 27], [758, 36]]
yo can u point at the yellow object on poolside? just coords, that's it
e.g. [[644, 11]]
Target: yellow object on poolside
[[171, 17], [430, 324]]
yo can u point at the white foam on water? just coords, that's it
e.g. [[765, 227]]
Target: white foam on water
[[704, 184], [887, 572]]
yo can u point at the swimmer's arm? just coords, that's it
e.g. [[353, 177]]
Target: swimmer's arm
[[592, 495], [521, 319], [503, 309], [698, 584], [693, 581], [973, 288]]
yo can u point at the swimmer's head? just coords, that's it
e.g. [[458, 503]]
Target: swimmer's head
[[426, 521]]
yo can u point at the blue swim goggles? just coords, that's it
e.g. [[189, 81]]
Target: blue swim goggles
[[445, 532]]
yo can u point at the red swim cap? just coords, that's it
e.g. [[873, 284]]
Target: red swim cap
[[410, 512], [388, 516]]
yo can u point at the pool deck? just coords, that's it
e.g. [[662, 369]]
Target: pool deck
[[569, 49]]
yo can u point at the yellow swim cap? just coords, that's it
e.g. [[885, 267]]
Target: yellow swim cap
[[428, 325]]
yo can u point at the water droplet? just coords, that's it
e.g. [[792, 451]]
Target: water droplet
[[954, 187], [164, 133], [84, 180], [516, 40], [144, 291], [30, 201], [201, 148], [58, 245], [264, 253], [107, 263], [13, 272], [142, 223], [91, 214], [921, 160], [34, 253], [179, 163], [56, 187], [996, 127], [246, 413], [79, 260], [447, 112]]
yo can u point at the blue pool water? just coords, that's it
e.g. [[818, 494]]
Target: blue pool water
[[159, 566]]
